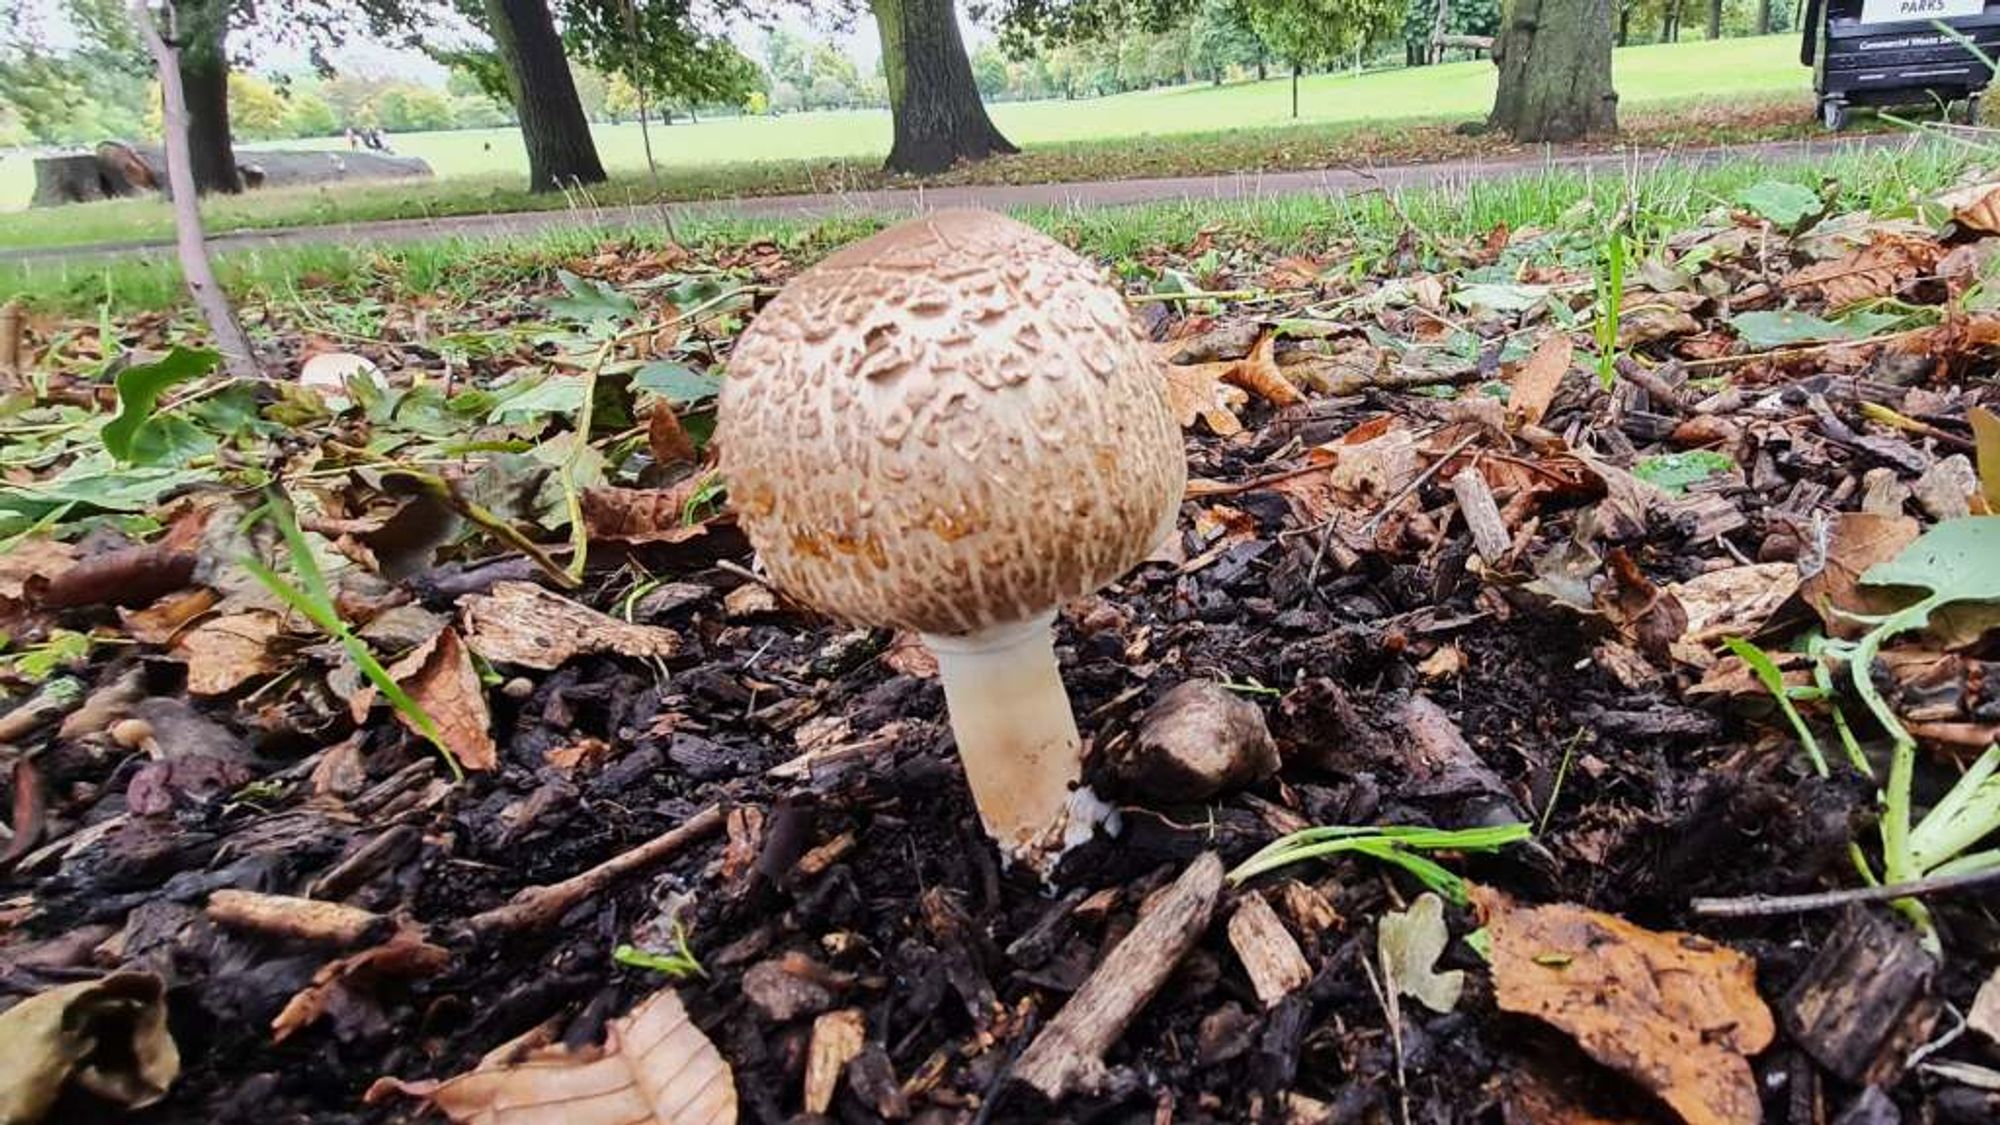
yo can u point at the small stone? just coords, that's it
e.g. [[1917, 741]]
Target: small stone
[[520, 687], [1199, 740], [131, 733], [1946, 489], [1883, 493], [782, 995]]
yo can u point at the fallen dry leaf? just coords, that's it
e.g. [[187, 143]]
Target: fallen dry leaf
[[1890, 261], [585, 752], [521, 623], [749, 600], [1196, 392], [668, 442], [30, 559], [223, 652], [440, 677], [1409, 944], [130, 576], [1677, 1013], [1986, 440], [1735, 601], [1259, 374], [1538, 378], [644, 515], [1975, 208], [1652, 322], [908, 656], [157, 623], [1856, 541], [108, 1036], [655, 1068], [405, 956]]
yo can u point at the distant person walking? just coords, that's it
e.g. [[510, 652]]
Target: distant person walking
[[353, 140]]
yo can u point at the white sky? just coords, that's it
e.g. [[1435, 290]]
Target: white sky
[[377, 60]]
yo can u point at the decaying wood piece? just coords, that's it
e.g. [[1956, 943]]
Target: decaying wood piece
[[297, 919], [1069, 1053], [536, 907], [1482, 515], [1267, 950], [837, 1037], [1865, 1001], [13, 319]]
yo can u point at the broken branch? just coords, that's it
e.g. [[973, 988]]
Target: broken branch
[[536, 907]]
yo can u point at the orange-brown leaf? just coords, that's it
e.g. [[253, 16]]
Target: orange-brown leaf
[[1196, 393], [1677, 1013], [1259, 374], [643, 515], [223, 652], [669, 443], [1890, 261], [440, 677], [1986, 442], [405, 956], [1538, 378]]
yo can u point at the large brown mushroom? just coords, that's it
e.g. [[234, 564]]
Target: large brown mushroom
[[952, 427]]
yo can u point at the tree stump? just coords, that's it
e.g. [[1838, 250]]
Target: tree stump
[[68, 178]]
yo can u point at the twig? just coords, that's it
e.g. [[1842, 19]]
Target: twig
[[1758, 906], [1214, 295], [190, 241], [1069, 1053], [297, 919], [535, 908], [1791, 350], [1325, 526], [1254, 483]]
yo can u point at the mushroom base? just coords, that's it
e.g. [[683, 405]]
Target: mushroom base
[[1018, 740]]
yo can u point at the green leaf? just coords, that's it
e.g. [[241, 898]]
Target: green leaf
[[676, 382], [559, 395], [1768, 674], [1500, 298], [589, 300], [1783, 329], [1676, 471], [1784, 204], [1956, 561], [139, 390]]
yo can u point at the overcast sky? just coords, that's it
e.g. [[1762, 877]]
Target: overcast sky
[[374, 59]]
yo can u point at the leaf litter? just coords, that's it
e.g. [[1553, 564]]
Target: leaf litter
[[1467, 585]]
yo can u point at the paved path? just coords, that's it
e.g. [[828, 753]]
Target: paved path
[[1103, 193]]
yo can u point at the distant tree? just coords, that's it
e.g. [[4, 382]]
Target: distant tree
[[1319, 32], [592, 89], [1220, 37], [256, 110], [757, 104], [90, 89], [554, 128], [409, 108], [310, 115], [1555, 70], [989, 71], [787, 56]]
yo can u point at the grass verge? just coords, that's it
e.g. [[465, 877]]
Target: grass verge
[[459, 270]]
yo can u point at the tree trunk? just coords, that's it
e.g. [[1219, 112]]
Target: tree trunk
[[1625, 22], [204, 67], [1263, 67], [1295, 89], [1714, 20], [1763, 17], [560, 150], [1555, 70], [933, 99]]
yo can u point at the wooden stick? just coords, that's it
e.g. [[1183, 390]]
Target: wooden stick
[[297, 919], [1757, 906], [189, 239], [1482, 515], [1069, 1053], [536, 907]]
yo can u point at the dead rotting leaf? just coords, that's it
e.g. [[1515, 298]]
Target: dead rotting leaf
[[224, 652], [1735, 601], [1891, 260], [1653, 321], [521, 623], [440, 677], [37, 560], [131, 576], [1196, 392], [343, 986], [1986, 439], [1409, 944], [654, 1068], [108, 1036], [668, 442], [908, 656], [1259, 374], [1976, 208], [157, 623], [1538, 378], [645, 515], [1675, 1012], [1855, 542]]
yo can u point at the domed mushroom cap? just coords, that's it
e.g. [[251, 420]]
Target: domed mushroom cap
[[952, 425]]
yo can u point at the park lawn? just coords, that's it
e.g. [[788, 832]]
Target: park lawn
[[1737, 89]]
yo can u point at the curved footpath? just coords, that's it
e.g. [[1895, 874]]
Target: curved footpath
[[1100, 193]]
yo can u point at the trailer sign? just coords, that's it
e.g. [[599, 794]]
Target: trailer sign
[[1903, 11]]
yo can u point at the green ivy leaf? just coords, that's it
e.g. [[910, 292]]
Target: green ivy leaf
[[1955, 561], [139, 390], [1783, 329], [1676, 471], [676, 382], [1784, 204], [589, 300]]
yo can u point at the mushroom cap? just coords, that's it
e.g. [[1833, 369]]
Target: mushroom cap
[[951, 425]]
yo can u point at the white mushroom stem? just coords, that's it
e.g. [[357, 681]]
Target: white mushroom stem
[[1017, 739]]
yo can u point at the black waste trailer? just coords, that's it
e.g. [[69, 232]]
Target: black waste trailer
[[1895, 53]]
